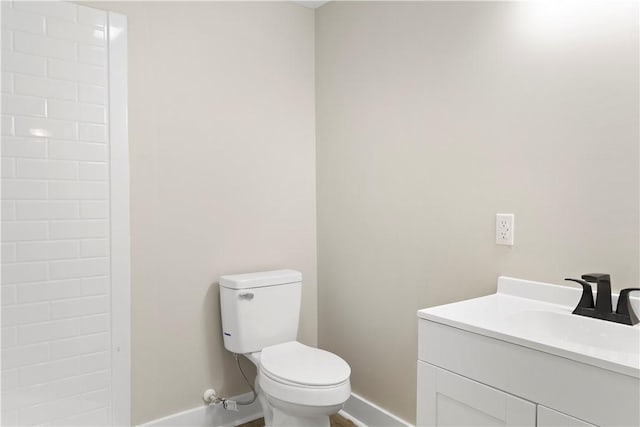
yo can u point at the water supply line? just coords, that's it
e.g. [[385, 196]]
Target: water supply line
[[210, 396]]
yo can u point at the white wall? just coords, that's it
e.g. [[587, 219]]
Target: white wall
[[56, 272], [221, 119], [434, 116]]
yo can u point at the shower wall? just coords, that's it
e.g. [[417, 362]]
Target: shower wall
[[57, 290]]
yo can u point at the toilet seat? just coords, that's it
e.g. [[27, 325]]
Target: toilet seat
[[296, 373]]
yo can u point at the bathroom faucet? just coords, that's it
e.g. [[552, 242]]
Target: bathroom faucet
[[624, 309], [603, 297], [602, 309]]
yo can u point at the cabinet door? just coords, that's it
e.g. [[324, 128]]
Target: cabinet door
[[550, 418], [447, 399]]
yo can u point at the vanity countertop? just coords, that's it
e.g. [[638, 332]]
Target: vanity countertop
[[538, 315]]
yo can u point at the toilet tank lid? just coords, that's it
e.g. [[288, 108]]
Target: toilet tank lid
[[260, 279]]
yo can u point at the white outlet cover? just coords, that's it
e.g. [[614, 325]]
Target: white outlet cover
[[504, 229]]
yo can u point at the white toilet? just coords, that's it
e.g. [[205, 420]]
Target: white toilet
[[297, 385]]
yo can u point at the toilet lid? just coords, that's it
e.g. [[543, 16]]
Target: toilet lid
[[297, 363]]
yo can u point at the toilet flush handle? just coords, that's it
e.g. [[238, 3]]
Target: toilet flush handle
[[246, 295]]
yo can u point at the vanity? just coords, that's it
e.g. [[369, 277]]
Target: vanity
[[520, 357]]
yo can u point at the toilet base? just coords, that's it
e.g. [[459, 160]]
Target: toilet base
[[279, 413]]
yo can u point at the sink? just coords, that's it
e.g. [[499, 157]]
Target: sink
[[584, 334], [538, 315]]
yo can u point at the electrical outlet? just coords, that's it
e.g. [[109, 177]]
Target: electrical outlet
[[504, 229]]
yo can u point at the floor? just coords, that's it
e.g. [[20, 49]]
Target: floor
[[336, 421]]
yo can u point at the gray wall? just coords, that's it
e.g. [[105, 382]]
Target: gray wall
[[434, 116], [221, 132]]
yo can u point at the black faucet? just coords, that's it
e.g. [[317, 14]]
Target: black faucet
[[602, 309]]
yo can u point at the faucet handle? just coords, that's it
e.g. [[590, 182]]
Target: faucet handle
[[603, 297], [624, 307], [586, 301], [596, 277]]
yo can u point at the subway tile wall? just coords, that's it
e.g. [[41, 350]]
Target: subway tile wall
[[55, 216]]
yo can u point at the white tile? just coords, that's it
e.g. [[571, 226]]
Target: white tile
[[94, 209], [76, 72], [24, 272], [7, 40], [16, 231], [49, 291], [87, 190], [92, 132], [45, 128], [46, 169], [80, 384], [10, 381], [23, 105], [92, 94], [10, 418], [13, 19], [49, 210], [41, 332], [94, 171], [56, 9], [89, 15], [24, 147], [24, 397], [15, 189], [7, 82], [93, 324], [8, 167], [94, 248], [44, 412], [8, 298], [75, 111], [79, 346], [46, 88], [8, 253], [8, 126], [77, 151], [78, 268], [24, 313], [95, 285], [42, 251], [79, 229], [21, 63], [92, 55], [76, 32], [22, 356], [9, 339], [8, 210], [98, 418], [80, 307], [9, 377], [43, 46], [96, 399]]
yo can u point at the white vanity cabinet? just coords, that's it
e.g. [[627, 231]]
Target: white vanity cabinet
[[468, 379], [549, 418], [480, 364], [447, 399]]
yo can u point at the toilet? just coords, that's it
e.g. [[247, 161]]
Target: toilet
[[297, 385]]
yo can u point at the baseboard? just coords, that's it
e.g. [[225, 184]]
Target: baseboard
[[211, 416], [359, 410], [366, 414]]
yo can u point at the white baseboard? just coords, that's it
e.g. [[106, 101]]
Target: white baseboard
[[212, 416], [366, 414], [359, 410]]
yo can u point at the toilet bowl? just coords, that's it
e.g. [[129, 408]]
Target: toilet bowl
[[297, 385], [300, 385]]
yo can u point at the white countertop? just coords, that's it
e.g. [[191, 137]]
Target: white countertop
[[538, 315]]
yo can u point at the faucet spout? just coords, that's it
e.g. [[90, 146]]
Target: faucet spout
[[603, 297]]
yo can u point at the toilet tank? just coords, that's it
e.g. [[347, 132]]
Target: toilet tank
[[259, 309]]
